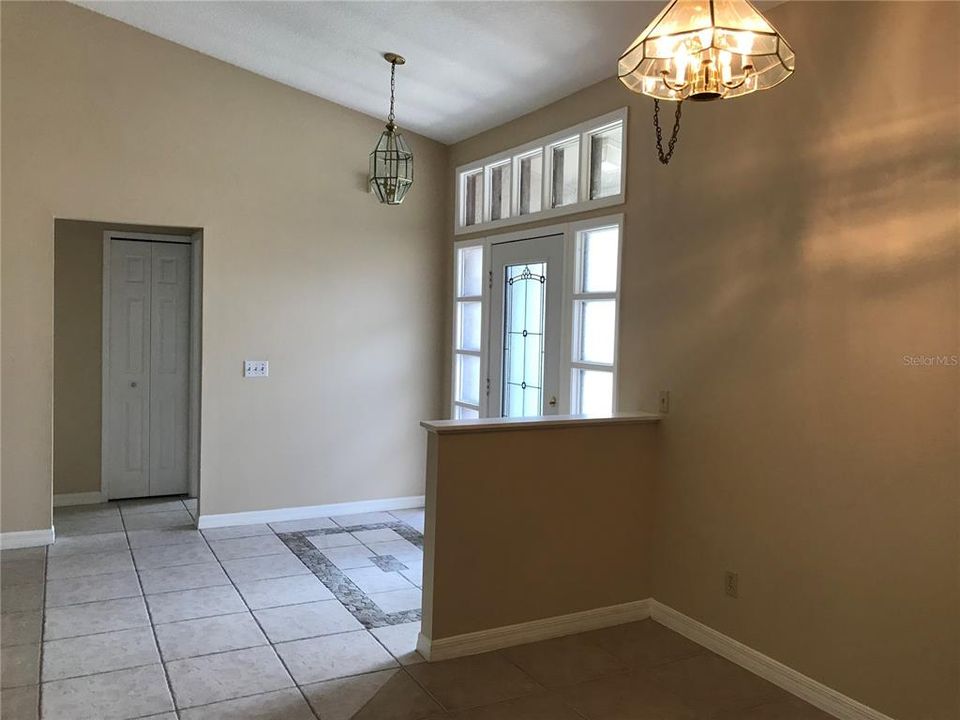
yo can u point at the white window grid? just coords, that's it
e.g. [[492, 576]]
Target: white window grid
[[544, 145], [578, 231], [458, 298]]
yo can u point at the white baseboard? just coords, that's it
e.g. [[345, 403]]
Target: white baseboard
[[26, 538], [256, 517], [808, 689], [533, 631], [84, 498], [805, 688]]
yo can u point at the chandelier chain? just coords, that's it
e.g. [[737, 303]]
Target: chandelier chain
[[393, 87], [665, 157]]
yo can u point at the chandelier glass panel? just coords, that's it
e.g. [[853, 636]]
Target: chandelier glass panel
[[706, 50], [391, 162]]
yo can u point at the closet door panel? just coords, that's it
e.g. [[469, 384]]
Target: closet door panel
[[127, 425], [170, 368]]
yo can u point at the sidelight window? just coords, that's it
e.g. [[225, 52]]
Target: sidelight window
[[594, 318], [468, 318]]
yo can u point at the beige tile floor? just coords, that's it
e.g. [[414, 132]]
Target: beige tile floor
[[135, 614]]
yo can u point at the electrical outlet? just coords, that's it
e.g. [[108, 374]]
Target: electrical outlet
[[731, 584], [256, 368], [664, 402]]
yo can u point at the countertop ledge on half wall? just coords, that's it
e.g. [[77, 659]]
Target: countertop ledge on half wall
[[447, 427]]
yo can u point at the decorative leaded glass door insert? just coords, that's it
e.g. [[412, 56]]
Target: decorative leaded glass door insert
[[525, 327], [523, 339]]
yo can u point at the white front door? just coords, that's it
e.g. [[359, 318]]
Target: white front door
[[147, 411], [526, 303]]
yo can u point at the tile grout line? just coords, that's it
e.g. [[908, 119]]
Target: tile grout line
[[346, 529], [43, 633], [420, 685], [43, 608], [205, 654], [153, 629], [231, 582], [270, 643], [399, 665], [404, 668], [563, 700], [142, 596], [91, 602]]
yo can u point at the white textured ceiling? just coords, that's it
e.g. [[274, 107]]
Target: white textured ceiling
[[470, 65]]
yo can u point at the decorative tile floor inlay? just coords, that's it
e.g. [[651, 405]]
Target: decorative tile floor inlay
[[360, 605], [388, 563]]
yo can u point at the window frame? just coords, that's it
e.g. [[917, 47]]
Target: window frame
[[583, 202], [487, 209], [572, 296], [571, 232], [484, 299], [461, 194], [586, 157], [517, 176], [548, 170]]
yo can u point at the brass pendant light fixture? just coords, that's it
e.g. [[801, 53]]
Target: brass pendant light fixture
[[391, 162], [704, 50]]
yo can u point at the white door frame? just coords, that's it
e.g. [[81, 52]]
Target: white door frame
[[554, 314], [196, 314], [488, 406]]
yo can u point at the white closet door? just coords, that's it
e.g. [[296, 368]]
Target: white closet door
[[169, 368], [128, 407], [147, 421]]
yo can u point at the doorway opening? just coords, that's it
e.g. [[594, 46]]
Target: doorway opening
[[127, 348]]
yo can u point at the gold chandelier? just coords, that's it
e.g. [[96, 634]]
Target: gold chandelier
[[706, 50]]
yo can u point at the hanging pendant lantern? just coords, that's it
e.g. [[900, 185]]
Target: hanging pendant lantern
[[391, 162], [705, 50]]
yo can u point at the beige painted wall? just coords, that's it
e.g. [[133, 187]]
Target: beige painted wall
[[301, 266], [77, 340], [799, 245], [570, 507], [775, 274]]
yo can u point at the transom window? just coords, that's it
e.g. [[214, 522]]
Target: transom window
[[577, 169]]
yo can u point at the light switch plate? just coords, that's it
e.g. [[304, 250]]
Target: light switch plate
[[256, 368]]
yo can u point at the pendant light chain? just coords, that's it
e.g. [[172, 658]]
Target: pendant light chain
[[393, 88], [665, 157], [391, 162]]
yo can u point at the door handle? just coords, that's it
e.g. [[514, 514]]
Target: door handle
[[133, 384]]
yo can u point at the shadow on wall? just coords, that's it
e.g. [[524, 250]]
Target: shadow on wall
[[861, 193], [805, 241], [776, 220]]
